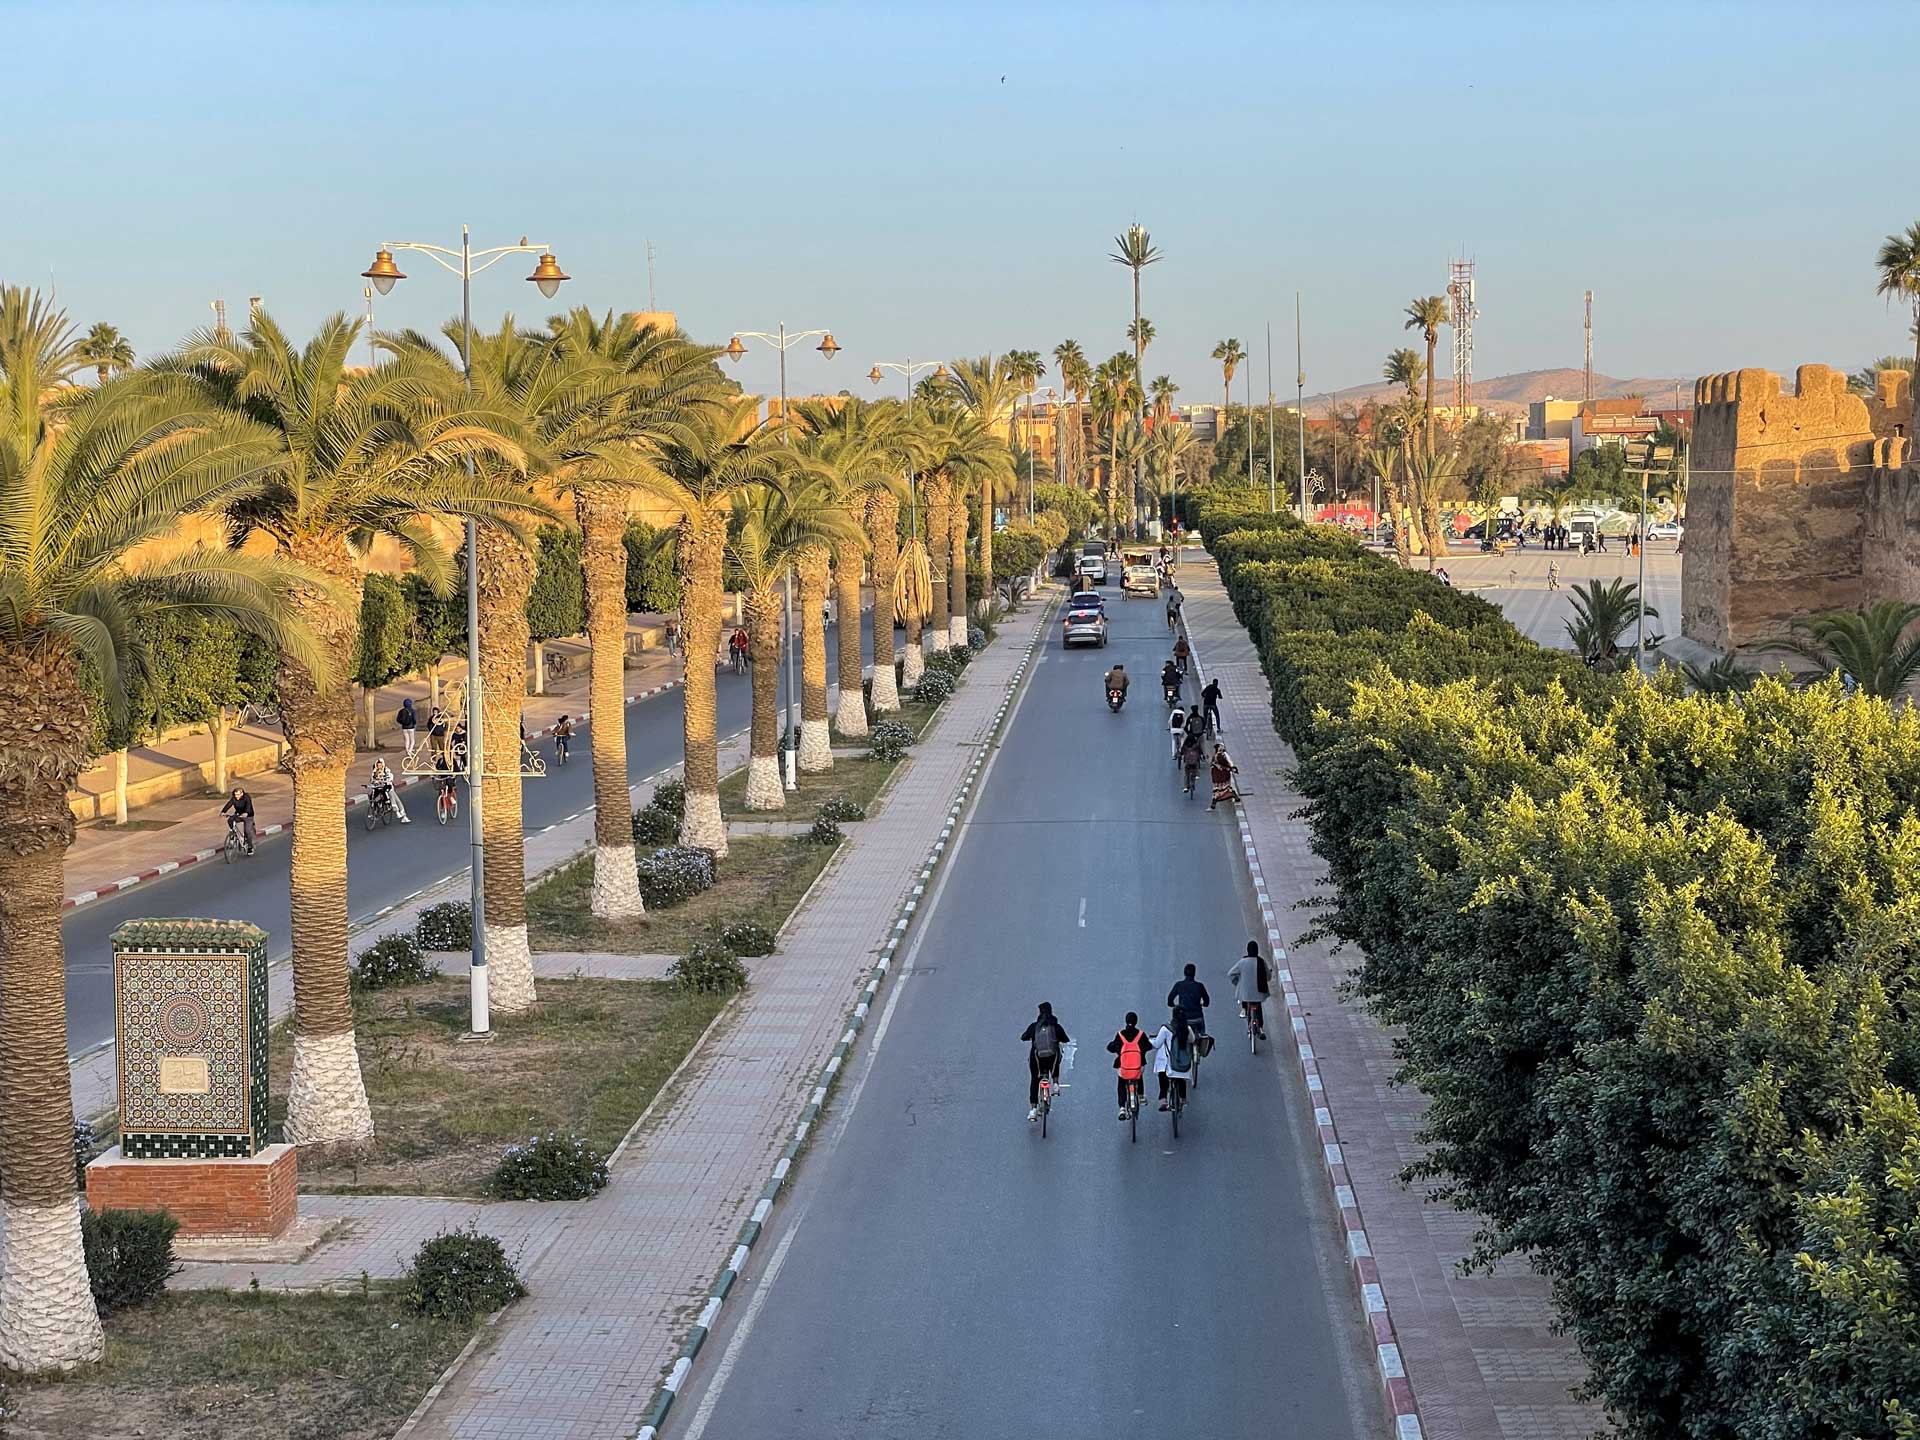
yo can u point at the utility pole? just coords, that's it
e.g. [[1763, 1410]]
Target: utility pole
[[652, 307], [1272, 497], [1250, 427], [1300, 402]]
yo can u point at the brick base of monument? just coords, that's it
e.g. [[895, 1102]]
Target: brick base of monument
[[255, 1198]]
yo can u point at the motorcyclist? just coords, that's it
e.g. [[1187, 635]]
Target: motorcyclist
[[1182, 653], [382, 790], [1170, 682], [1117, 678]]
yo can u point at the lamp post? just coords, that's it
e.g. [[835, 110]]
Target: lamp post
[[906, 370], [466, 262], [781, 340], [1300, 403]]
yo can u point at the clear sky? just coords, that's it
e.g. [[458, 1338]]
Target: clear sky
[[945, 179]]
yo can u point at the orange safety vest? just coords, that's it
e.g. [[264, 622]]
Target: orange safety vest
[[1131, 1054]]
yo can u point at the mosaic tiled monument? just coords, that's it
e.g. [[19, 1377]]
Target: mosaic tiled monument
[[190, 1026]]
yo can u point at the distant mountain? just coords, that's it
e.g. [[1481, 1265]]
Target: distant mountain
[[1516, 392]]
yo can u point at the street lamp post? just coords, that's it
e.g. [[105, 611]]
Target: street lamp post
[[906, 370], [547, 276], [781, 340], [1300, 403]]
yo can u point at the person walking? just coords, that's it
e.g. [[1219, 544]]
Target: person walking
[[1221, 772], [1553, 575], [438, 726], [409, 723]]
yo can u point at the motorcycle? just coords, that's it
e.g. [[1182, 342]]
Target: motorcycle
[[1172, 692], [1116, 697]]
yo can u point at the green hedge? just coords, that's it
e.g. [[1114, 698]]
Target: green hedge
[[1653, 958]]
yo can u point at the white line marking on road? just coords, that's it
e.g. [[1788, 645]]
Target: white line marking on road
[[1083, 912]]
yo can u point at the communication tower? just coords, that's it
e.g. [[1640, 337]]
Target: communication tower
[[1589, 392], [1460, 299]]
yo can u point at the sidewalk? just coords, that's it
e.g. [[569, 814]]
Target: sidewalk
[[1483, 1361]]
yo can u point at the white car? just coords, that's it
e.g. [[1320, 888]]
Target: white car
[[1665, 530], [1094, 567]]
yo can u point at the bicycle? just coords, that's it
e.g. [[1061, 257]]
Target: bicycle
[[1047, 1087], [235, 845], [561, 745], [446, 804], [1135, 1094], [558, 667], [1177, 1099], [1253, 1031]]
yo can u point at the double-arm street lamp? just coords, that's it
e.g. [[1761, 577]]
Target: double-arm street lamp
[[782, 340], [466, 262], [907, 369]]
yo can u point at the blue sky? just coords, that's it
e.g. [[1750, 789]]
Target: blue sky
[[1720, 175]]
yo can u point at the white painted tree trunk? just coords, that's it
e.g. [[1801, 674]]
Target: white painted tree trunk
[[913, 666], [886, 694], [47, 1316], [219, 727], [764, 790], [937, 638], [816, 745], [119, 787], [850, 715], [326, 1099], [702, 826], [509, 969], [616, 885], [957, 630]]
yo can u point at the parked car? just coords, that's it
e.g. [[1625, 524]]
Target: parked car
[[1084, 625], [1665, 530]]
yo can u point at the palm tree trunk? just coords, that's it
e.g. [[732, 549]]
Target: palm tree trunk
[[602, 512], [850, 715], [1433, 340], [986, 541], [883, 521], [703, 540], [1402, 528], [47, 1315], [506, 579], [816, 744], [1140, 379], [957, 565], [1430, 522], [939, 522], [326, 1097], [764, 789]]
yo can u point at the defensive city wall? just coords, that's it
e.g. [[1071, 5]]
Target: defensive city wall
[[1796, 503]]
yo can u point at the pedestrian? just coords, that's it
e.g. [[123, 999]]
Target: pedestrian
[[1445, 579], [1210, 703], [1553, 575], [438, 725], [409, 723], [1221, 772], [673, 637], [1249, 980]]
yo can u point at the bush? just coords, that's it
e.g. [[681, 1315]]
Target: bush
[[129, 1255], [824, 832], [555, 1166], [670, 796], [653, 827], [976, 640], [446, 926], [743, 937], [889, 740], [712, 967], [390, 961], [673, 874], [461, 1276], [86, 1145], [934, 686], [839, 809]]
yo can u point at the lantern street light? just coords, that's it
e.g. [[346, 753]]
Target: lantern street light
[[466, 262]]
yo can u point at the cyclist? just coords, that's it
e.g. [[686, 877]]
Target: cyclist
[[1174, 601], [563, 736], [1189, 997], [380, 788], [1177, 728], [1193, 754], [240, 806], [737, 649], [1044, 1038], [1210, 705], [1249, 980], [1173, 1056], [1129, 1050]]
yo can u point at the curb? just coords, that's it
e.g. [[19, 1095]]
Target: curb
[[1391, 1368], [87, 897], [755, 1227]]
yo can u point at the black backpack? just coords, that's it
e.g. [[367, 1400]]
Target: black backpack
[[1046, 1040]]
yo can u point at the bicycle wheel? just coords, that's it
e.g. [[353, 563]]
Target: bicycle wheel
[[1133, 1117], [371, 816], [1045, 1105], [231, 849], [1174, 1110]]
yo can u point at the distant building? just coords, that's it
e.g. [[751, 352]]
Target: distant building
[[1551, 455], [1551, 419], [1609, 422], [1208, 421]]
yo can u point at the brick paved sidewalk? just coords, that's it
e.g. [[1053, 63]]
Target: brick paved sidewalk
[[1483, 1360]]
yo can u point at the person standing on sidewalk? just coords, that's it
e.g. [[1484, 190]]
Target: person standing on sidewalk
[[409, 723]]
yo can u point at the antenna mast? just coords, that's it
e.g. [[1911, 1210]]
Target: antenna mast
[[1589, 394], [651, 306], [1460, 297]]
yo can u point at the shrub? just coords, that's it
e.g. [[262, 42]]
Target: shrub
[[670, 796], [446, 926], [889, 740], [839, 809], [558, 1165], [461, 1276], [712, 967], [392, 960], [129, 1255], [673, 874], [976, 640], [824, 832], [743, 937], [86, 1145], [934, 686], [653, 827]]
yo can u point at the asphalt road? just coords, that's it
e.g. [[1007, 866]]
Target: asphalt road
[[942, 1271], [383, 866]]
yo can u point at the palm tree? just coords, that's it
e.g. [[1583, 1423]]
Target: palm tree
[[106, 349], [699, 469], [1130, 444], [39, 354], [1136, 251], [356, 455], [663, 380], [1722, 677], [794, 524], [902, 441], [1142, 333], [1027, 368], [1162, 392], [1427, 314], [1383, 458], [1899, 264], [1866, 380], [1865, 644], [118, 469], [1428, 474], [1168, 449], [1404, 367], [1229, 353], [1602, 610], [1077, 376], [986, 389]]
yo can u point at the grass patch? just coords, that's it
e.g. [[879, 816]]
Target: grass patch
[[761, 880], [445, 1110], [247, 1365], [859, 779]]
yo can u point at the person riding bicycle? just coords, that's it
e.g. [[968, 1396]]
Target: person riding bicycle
[[1174, 601], [1044, 1038], [737, 647], [1249, 980], [240, 807], [1173, 1057], [382, 790], [1182, 653], [1129, 1050], [1177, 728], [1190, 998], [1117, 678], [563, 735], [1210, 705], [1193, 754]]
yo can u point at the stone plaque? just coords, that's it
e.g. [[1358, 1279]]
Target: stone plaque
[[191, 1030]]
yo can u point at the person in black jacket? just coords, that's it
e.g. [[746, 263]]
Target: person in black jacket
[[1044, 1037], [240, 806], [1190, 998], [1132, 1051]]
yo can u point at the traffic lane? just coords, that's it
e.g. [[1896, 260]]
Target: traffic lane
[[944, 1258]]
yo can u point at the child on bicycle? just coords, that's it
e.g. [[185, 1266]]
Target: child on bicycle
[[1129, 1050], [563, 737]]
